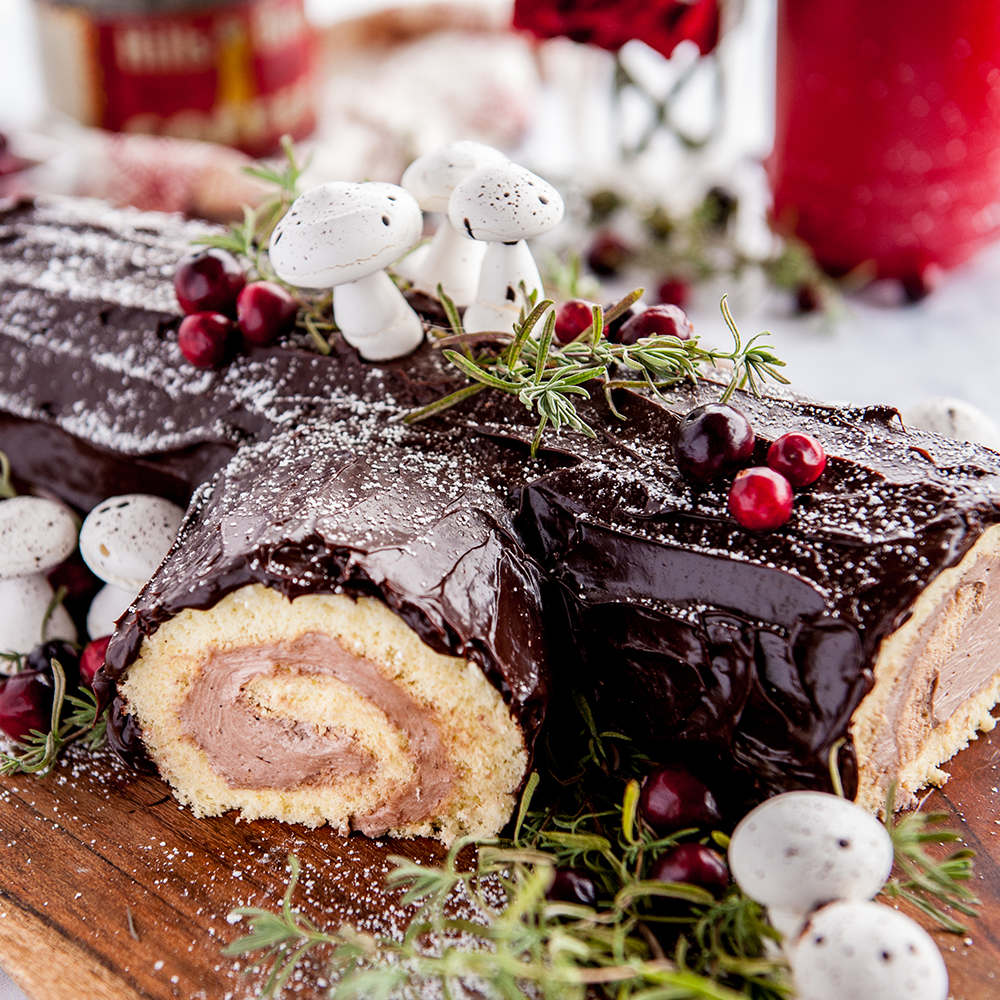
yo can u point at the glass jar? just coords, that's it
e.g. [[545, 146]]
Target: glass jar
[[887, 143], [239, 72]]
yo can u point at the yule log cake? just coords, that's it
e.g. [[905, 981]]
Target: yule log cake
[[359, 618]]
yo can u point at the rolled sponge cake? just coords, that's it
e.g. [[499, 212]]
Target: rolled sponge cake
[[341, 635], [325, 709]]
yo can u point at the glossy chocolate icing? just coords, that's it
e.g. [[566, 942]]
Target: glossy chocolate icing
[[749, 651]]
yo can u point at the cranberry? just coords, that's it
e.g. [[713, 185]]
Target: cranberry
[[760, 499], [572, 319], [657, 321], [25, 703], [265, 311], [808, 297], [92, 658], [693, 864], [607, 255], [712, 439], [920, 284], [613, 329], [204, 338], [674, 292], [571, 886], [672, 799], [40, 659], [800, 458], [719, 207], [208, 282]]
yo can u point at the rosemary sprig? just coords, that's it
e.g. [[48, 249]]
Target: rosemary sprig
[[7, 490], [57, 598], [249, 238], [486, 919], [523, 945], [933, 886], [548, 378], [38, 752], [285, 937]]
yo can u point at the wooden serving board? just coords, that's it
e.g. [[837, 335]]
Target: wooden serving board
[[110, 891]]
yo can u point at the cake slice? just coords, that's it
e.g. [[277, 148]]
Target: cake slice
[[345, 632]]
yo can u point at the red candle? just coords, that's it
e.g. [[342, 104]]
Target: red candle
[[887, 138]]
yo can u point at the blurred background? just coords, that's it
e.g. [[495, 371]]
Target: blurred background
[[833, 166]]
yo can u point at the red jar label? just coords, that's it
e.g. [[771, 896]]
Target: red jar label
[[239, 73]]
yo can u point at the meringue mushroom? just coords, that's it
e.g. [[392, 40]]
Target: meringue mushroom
[[123, 540], [503, 206], [36, 535], [799, 850], [954, 418], [869, 952], [343, 236], [451, 260]]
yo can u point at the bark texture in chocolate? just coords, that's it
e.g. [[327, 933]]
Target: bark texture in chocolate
[[750, 650]]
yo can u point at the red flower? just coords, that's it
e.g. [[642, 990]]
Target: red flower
[[609, 24]]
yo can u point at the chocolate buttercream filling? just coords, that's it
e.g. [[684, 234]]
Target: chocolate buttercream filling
[[256, 751]]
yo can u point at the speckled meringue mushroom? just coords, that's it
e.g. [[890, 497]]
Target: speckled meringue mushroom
[[123, 540], [954, 418], [800, 850], [343, 236], [36, 535], [503, 206], [866, 951], [451, 260]]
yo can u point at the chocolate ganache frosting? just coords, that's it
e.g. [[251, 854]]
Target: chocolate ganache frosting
[[751, 650]]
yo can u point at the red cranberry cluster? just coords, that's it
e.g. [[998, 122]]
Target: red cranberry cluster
[[715, 439], [212, 290], [666, 320], [26, 697], [673, 799]]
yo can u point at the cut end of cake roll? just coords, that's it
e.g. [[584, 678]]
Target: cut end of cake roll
[[937, 677], [324, 710]]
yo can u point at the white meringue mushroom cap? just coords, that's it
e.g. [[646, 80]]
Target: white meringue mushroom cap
[[125, 538], [433, 177], [505, 204], [954, 418], [36, 535], [341, 232], [23, 604], [802, 849], [866, 951]]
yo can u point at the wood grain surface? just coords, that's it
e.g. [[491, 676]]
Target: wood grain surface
[[110, 891]]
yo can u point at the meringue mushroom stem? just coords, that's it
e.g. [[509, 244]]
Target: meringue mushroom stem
[[507, 280], [7, 490], [509, 268], [374, 308], [448, 262]]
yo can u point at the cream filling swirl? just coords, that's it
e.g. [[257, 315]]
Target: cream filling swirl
[[254, 750]]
